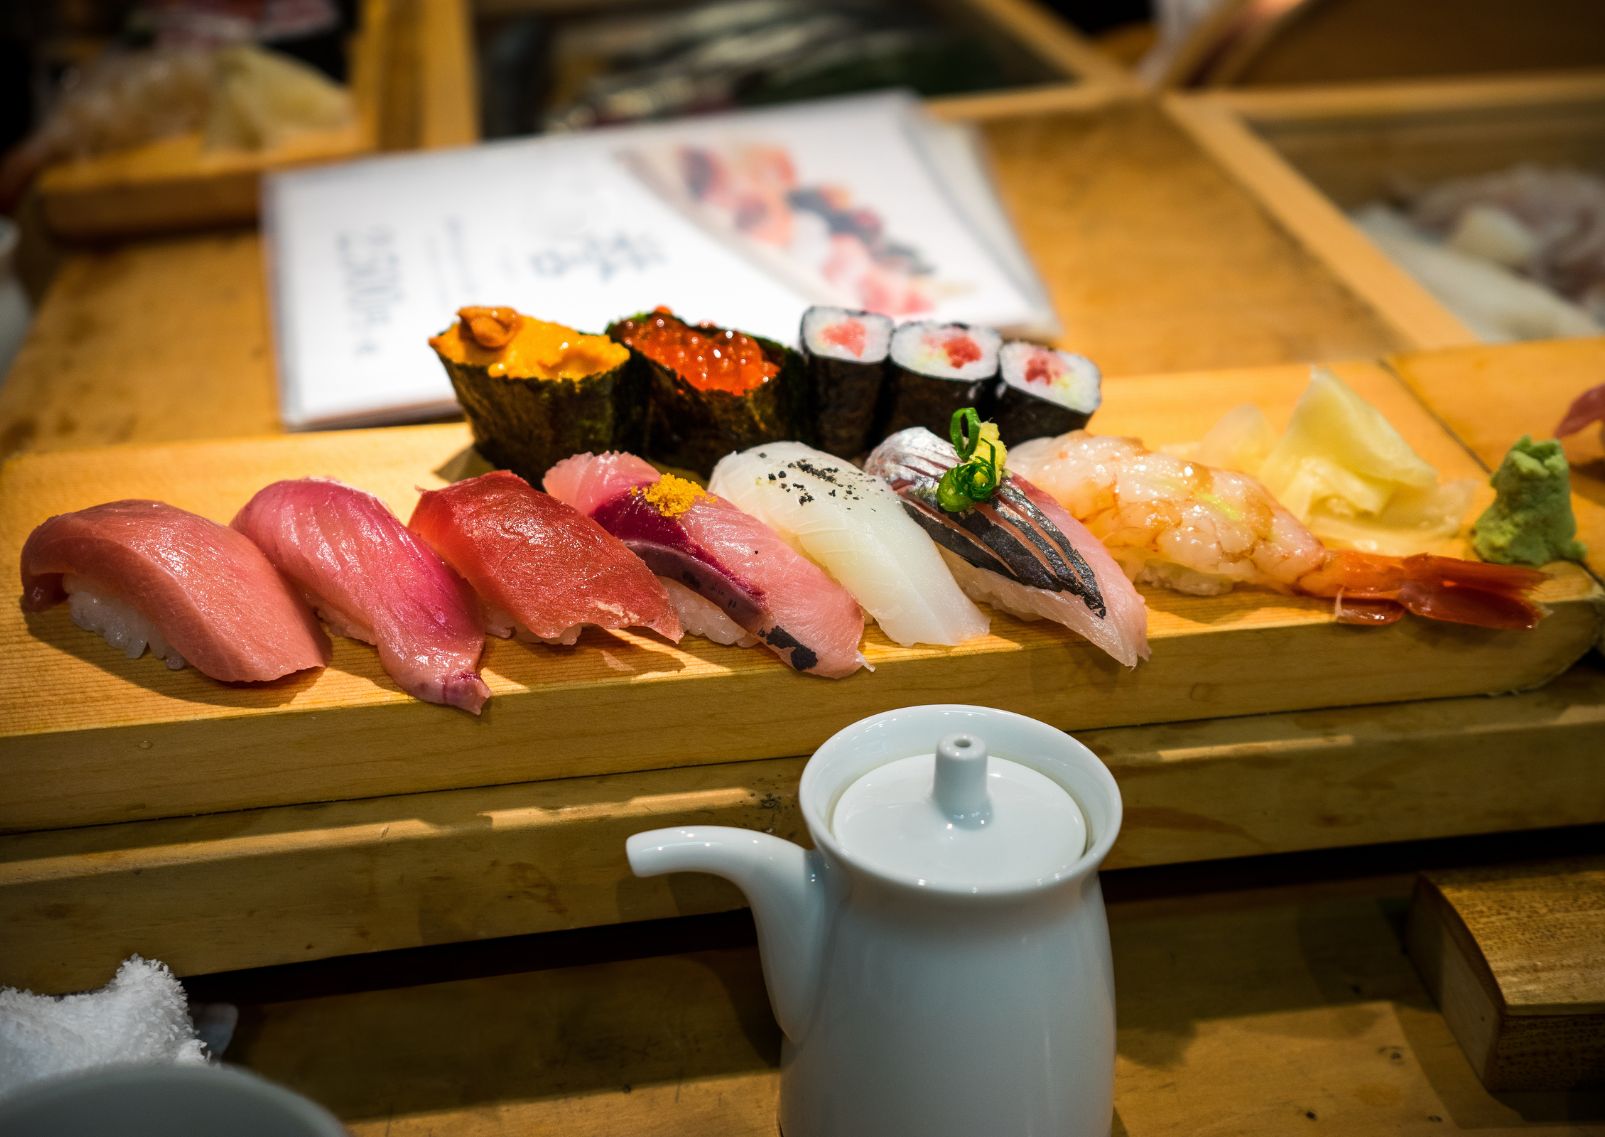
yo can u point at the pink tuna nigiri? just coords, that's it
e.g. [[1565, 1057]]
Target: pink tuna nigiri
[[372, 580], [1021, 551], [537, 563], [722, 556], [144, 572]]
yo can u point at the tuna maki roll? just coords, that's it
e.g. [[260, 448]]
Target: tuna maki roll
[[846, 352], [1043, 392], [936, 370], [536, 392], [711, 390]]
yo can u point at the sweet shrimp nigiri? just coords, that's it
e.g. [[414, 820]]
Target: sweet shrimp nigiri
[[1197, 529]]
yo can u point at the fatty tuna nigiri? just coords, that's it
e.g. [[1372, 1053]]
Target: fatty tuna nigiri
[[537, 563], [726, 569], [373, 580], [853, 525], [147, 573], [1019, 551]]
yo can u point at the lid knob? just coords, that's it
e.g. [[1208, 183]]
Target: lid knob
[[959, 787]]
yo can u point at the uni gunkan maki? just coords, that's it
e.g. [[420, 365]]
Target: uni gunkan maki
[[536, 392], [1043, 392], [938, 369], [711, 390], [846, 352]]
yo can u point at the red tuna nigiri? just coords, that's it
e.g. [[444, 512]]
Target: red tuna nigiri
[[724, 556], [197, 592], [539, 563], [372, 580]]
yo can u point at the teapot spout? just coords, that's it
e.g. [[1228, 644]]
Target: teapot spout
[[784, 883]]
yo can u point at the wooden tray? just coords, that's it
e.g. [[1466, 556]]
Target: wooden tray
[[176, 183], [118, 740], [1308, 155]]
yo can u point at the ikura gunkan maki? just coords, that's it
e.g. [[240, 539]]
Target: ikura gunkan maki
[[1043, 392], [536, 392], [711, 390], [846, 352], [936, 370]]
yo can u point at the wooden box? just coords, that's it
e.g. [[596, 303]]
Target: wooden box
[[176, 183], [1515, 957], [1309, 155]]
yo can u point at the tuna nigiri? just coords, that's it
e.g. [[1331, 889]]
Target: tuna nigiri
[[374, 581], [853, 525], [734, 572], [144, 573], [1019, 551], [537, 564]]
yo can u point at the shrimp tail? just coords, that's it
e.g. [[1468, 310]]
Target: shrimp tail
[[1365, 587]]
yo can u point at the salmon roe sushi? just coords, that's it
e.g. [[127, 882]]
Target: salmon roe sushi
[[708, 358]]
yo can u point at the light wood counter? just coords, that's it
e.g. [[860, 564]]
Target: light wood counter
[[1275, 1010]]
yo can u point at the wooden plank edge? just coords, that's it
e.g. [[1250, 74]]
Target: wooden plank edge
[[247, 889], [406, 746], [1419, 319], [1063, 98], [1272, 106]]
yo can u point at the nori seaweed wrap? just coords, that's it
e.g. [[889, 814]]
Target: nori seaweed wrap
[[711, 390], [1042, 392], [937, 369], [846, 353], [536, 392]]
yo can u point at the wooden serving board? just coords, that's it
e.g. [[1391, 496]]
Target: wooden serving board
[[92, 737]]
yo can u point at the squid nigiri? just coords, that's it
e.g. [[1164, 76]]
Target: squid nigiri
[[148, 574], [371, 579], [538, 565], [1019, 550], [726, 569], [1202, 530], [853, 525]]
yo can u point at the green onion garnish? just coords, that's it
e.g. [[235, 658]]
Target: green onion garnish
[[975, 478]]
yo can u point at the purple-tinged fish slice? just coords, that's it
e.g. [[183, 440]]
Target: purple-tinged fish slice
[[375, 581]]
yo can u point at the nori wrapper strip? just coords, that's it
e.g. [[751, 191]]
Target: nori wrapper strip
[[1026, 408], [692, 428], [846, 390], [920, 394], [527, 424]]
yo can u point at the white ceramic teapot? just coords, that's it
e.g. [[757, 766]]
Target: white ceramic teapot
[[939, 963]]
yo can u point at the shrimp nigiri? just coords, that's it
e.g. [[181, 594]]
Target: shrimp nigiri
[[1202, 530]]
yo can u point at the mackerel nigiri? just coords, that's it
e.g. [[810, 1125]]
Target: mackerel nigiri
[[727, 572], [145, 573], [539, 565], [1020, 551], [854, 526], [374, 581]]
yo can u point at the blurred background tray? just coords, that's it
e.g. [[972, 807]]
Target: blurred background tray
[[1308, 155]]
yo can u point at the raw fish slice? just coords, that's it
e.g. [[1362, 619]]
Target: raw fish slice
[[545, 565], [144, 572], [1021, 551], [744, 568], [853, 525], [372, 580]]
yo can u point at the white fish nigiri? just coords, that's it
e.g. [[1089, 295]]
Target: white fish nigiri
[[853, 526]]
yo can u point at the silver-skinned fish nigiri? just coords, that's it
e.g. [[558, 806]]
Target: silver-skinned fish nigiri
[[1017, 549]]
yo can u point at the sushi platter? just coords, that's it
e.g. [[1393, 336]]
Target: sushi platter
[[134, 740]]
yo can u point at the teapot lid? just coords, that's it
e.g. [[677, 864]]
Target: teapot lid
[[960, 817]]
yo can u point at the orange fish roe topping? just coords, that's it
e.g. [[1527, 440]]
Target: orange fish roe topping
[[670, 495], [708, 358]]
